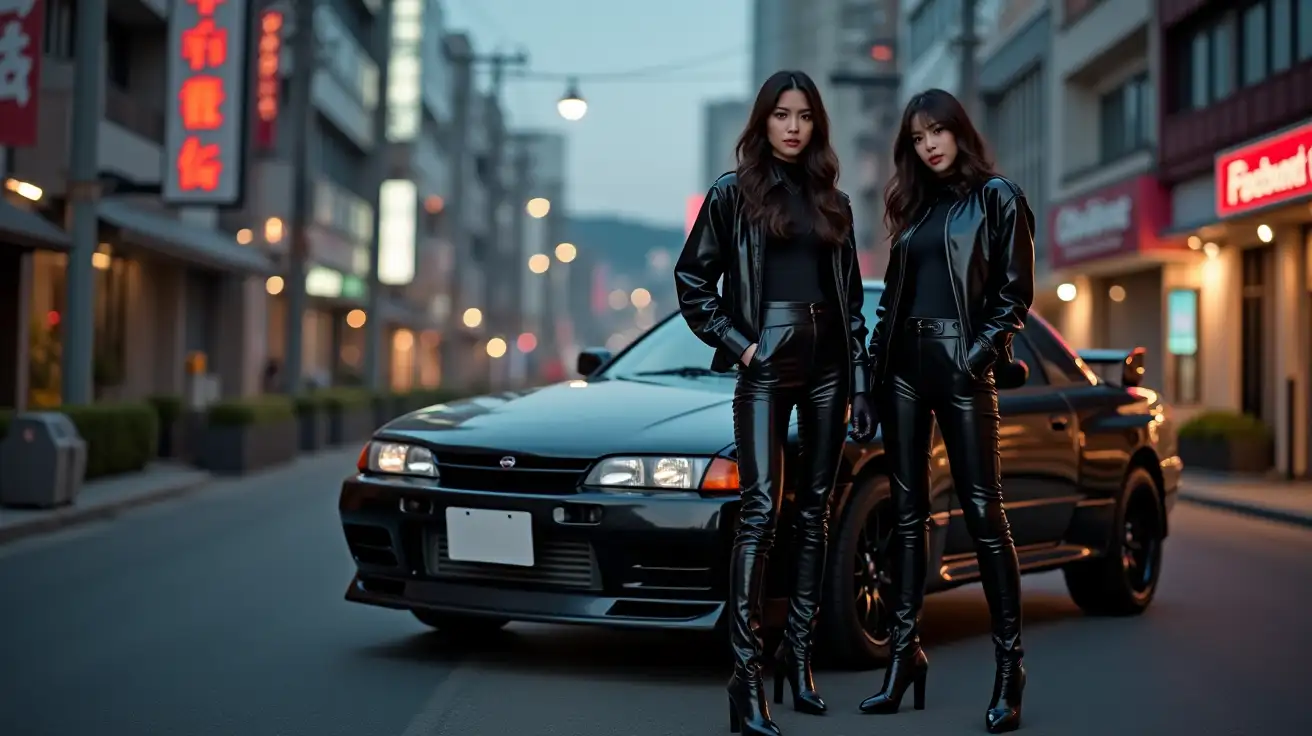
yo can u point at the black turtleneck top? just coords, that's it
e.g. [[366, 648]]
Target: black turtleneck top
[[799, 267], [927, 272]]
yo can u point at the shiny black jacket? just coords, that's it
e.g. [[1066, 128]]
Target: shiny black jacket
[[989, 243], [723, 243]]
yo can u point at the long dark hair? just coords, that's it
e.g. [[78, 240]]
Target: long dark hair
[[818, 160], [912, 184]]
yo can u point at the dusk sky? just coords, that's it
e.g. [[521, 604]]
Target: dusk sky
[[638, 151]]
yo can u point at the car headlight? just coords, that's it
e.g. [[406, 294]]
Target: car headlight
[[665, 474], [398, 458]]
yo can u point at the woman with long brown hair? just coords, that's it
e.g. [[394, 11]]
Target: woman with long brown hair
[[779, 233], [959, 286]]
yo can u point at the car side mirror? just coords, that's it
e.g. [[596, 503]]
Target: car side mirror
[[590, 359], [1011, 375]]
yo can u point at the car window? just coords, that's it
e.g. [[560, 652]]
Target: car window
[[1060, 362], [669, 345], [1037, 375]]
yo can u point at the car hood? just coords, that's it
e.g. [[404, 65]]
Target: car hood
[[583, 419]]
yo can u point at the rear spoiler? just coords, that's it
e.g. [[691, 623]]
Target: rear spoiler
[[1131, 363]]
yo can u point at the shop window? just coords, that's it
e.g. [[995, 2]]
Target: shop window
[[1182, 344], [1282, 35], [1126, 118], [1253, 68]]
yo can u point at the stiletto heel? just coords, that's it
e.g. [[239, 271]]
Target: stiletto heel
[[735, 723], [778, 684], [918, 690], [906, 671]]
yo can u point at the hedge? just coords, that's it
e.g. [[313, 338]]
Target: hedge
[[120, 437], [1224, 425]]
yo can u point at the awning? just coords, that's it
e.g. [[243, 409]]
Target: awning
[[29, 229], [184, 241]]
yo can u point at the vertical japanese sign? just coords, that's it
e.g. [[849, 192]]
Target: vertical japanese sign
[[22, 24], [266, 79], [206, 102]]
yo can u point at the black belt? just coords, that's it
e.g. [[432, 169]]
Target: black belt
[[933, 327]]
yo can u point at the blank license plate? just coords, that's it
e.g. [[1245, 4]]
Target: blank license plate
[[484, 535]]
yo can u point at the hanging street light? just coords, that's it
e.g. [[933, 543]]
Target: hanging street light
[[572, 106]]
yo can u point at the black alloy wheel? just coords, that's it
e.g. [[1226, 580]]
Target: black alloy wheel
[[872, 575]]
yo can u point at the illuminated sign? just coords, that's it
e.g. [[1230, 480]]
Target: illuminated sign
[[206, 93], [1274, 170], [398, 204], [266, 79]]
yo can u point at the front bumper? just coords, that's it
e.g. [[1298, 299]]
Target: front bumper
[[650, 561]]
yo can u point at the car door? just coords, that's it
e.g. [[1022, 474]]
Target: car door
[[1037, 443]]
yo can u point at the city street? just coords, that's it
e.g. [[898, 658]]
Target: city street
[[221, 614]]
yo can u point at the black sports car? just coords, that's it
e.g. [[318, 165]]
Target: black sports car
[[611, 500]]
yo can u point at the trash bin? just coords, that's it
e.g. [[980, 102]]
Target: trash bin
[[44, 459]]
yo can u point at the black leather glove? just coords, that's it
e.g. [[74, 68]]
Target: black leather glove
[[980, 356], [864, 419]]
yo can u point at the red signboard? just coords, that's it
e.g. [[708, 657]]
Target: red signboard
[[266, 79], [1274, 170], [22, 26], [1120, 219]]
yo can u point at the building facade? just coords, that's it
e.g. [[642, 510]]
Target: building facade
[[1236, 128], [1013, 72], [1112, 262]]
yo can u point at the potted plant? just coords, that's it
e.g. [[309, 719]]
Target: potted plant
[[312, 421], [244, 435], [1227, 441]]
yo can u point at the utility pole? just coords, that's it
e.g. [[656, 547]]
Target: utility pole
[[967, 45], [373, 326], [456, 47], [299, 124], [76, 374]]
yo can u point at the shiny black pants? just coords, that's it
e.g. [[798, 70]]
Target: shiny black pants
[[800, 361], [929, 378]]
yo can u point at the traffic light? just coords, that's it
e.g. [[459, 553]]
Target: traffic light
[[881, 52]]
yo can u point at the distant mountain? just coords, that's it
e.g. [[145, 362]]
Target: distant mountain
[[626, 245]]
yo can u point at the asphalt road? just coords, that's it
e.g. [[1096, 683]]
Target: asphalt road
[[222, 615]]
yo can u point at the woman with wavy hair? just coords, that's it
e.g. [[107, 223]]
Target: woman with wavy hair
[[779, 233], [959, 286]]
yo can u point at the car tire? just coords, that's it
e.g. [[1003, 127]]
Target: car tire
[[1123, 581], [856, 561], [458, 624]]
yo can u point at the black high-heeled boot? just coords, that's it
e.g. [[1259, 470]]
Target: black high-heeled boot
[[908, 670], [795, 668], [1003, 714], [1000, 576], [749, 708]]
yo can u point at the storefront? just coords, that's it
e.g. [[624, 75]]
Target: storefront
[[1112, 267], [22, 232], [1254, 300]]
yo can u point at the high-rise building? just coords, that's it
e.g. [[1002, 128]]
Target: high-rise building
[[722, 123]]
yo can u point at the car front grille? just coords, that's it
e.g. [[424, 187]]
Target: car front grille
[[559, 563], [482, 471]]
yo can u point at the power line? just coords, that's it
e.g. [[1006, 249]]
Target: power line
[[531, 77], [639, 72]]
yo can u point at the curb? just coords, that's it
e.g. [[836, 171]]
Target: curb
[[75, 516], [1247, 509]]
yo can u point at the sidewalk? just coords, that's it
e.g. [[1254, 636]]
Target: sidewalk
[[1278, 500]]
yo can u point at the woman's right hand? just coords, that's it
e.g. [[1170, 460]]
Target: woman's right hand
[[748, 354]]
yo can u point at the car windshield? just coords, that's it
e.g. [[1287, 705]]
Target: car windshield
[[670, 348]]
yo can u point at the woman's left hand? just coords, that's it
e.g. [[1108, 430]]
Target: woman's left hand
[[980, 357], [864, 420]]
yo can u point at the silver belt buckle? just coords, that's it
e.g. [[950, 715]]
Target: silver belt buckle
[[929, 327]]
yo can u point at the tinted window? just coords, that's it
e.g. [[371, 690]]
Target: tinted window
[[1057, 358], [1021, 347]]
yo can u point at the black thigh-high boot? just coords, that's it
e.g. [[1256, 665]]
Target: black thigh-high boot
[[969, 421], [760, 421], [821, 414], [908, 425]]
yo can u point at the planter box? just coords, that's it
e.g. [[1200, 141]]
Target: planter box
[[239, 450], [351, 425], [1248, 455], [313, 428]]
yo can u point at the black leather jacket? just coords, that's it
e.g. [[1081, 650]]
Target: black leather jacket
[[989, 239], [723, 243]]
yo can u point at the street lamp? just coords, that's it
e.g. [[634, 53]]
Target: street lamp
[[572, 106], [539, 263], [538, 207], [566, 252]]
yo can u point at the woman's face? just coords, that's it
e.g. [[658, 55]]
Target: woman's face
[[789, 127], [935, 144]]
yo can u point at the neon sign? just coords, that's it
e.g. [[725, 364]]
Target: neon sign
[[266, 78], [207, 72]]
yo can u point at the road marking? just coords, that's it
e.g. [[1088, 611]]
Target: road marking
[[428, 721]]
